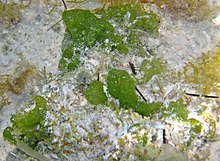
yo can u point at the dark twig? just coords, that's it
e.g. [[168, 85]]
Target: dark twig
[[60, 19], [142, 96], [132, 68], [198, 95], [165, 141], [54, 25], [45, 72], [64, 4], [98, 76], [134, 72]]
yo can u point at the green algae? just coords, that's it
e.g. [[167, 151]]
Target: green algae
[[122, 87], [178, 108], [117, 13], [151, 68], [149, 23], [95, 93], [8, 135], [132, 16], [28, 126], [85, 29], [70, 58], [196, 125], [147, 109], [134, 43]]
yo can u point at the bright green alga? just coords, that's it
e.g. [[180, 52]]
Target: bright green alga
[[133, 16], [95, 94], [71, 58], [84, 30], [8, 135], [112, 29], [147, 109], [121, 86], [28, 126]]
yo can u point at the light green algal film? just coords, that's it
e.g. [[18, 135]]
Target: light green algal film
[[28, 126], [179, 110], [196, 126], [151, 68]]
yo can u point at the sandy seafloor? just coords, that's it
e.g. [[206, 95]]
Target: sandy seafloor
[[30, 42]]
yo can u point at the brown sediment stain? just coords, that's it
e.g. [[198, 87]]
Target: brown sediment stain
[[17, 83], [186, 9]]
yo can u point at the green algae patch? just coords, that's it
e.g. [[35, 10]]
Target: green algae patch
[[148, 23], [151, 68], [147, 109], [133, 16], [135, 44], [70, 58], [85, 30], [196, 125], [121, 86], [129, 21], [8, 135], [95, 93], [28, 126], [112, 28], [178, 108], [117, 13]]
